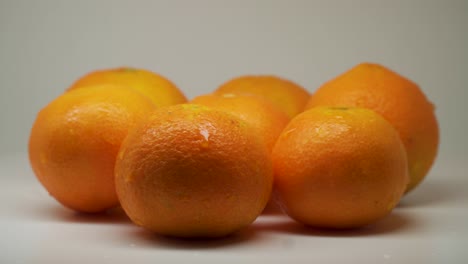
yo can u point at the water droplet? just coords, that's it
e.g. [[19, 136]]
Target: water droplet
[[205, 133]]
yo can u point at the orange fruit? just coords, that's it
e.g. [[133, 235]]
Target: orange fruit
[[191, 171], [264, 117], [339, 167], [157, 88], [398, 100], [74, 143], [286, 95]]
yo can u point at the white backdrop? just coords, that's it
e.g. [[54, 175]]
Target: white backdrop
[[46, 45]]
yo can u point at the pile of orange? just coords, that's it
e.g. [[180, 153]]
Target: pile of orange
[[342, 157]]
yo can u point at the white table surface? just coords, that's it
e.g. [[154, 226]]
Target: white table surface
[[429, 226]]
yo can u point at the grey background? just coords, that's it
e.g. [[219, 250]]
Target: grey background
[[46, 45]]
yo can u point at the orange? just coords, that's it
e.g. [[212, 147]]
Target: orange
[[398, 100], [339, 167], [74, 143], [286, 95], [191, 171], [266, 119], [156, 87]]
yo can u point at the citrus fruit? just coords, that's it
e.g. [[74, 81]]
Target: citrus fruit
[[74, 143], [286, 95], [158, 89], [398, 100], [267, 121], [191, 171], [339, 167]]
